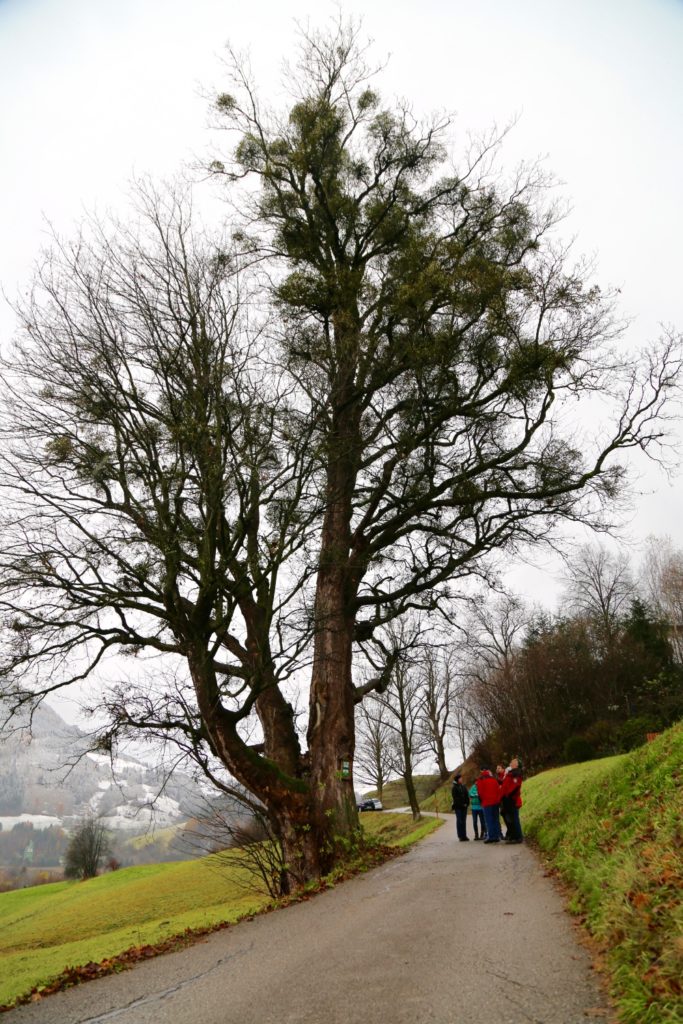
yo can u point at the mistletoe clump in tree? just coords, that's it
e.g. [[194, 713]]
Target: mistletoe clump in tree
[[253, 455]]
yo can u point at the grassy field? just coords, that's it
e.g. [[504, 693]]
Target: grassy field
[[46, 929]]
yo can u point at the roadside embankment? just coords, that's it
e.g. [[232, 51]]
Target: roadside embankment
[[613, 831]]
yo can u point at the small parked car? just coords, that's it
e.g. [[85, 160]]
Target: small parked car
[[370, 805]]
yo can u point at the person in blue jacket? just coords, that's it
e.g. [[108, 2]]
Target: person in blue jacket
[[478, 820]]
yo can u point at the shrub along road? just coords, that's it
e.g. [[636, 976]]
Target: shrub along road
[[451, 932]]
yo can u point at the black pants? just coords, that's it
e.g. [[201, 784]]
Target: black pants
[[461, 822], [507, 813]]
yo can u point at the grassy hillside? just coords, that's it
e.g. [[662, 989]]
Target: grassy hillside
[[394, 793], [613, 829], [163, 837], [439, 800], [46, 929]]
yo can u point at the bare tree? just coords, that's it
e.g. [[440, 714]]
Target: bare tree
[[403, 704], [373, 759], [88, 847], [242, 835], [440, 696], [254, 476], [154, 476], [600, 586], [494, 631], [662, 574], [464, 718]]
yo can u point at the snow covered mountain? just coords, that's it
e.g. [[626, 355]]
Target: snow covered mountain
[[43, 779]]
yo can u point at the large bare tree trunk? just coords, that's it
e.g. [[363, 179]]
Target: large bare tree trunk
[[331, 722], [331, 728], [275, 778]]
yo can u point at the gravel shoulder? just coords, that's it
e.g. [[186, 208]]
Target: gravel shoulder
[[451, 932]]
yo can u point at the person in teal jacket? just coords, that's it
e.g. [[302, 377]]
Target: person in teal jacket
[[477, 813]]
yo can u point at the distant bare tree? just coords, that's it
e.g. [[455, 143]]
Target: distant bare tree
[[493, 631], [662, 575], [464, 719], [373, 758], [404, 704], [600, 587], [439, 682], [88, 847]]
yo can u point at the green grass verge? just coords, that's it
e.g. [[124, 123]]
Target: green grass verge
[[397, 829], [613, 829], [44, 930]]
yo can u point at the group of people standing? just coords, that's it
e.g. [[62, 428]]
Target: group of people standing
[[491, 797]]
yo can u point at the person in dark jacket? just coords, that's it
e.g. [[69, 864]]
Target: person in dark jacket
[[460, 803], [489, 794]]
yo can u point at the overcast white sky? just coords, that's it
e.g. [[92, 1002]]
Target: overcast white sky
[[94, 90]]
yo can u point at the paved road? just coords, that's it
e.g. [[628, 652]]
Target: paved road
[[451, 933]]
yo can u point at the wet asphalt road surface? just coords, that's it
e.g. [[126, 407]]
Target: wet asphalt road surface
[[450, 933]]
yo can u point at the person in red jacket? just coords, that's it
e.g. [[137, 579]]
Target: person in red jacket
[[488, 789], [511, 796]]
